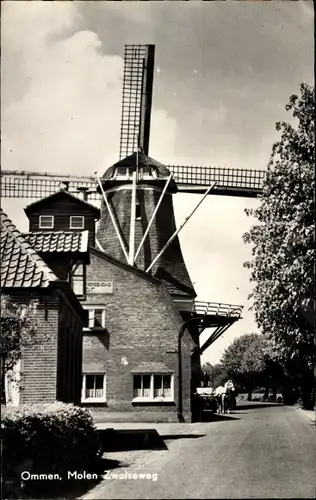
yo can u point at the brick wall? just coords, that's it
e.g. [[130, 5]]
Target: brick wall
[[142, 325], [39, 362], [51, 367]]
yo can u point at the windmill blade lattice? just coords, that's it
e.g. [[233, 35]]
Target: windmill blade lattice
[[136, 99], [190, 179]]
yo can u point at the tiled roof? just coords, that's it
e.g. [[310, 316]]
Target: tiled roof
[[20, 264], [58, 241]]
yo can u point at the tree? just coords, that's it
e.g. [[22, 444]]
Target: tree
[[283, 243], [18, 330], [245, 361]]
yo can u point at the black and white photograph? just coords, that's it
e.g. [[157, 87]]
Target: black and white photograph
[[158, 249]]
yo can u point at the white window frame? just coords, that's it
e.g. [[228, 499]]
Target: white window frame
[[91, 317], [119, 175], [51, 226], [151, 398], [101, 399], [76, 217], [145, 173]]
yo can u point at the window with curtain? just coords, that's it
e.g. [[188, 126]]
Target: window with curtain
[[153, 386]]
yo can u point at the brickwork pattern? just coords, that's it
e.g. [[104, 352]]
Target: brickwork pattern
[[51, 367], [142, 324]]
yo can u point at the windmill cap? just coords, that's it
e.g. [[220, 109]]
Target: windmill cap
[[153, 170]]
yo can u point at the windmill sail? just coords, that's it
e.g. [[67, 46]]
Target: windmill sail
[[244, 183], [137, 98]]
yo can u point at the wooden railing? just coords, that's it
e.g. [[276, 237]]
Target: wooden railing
[[217, 309], [209, 308]]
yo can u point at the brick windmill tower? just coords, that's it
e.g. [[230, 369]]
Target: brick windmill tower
[[137, 224]]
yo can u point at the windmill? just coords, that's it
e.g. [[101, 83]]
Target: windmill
[[137, 224]]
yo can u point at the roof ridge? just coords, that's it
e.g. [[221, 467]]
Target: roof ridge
[[67, 193], [20, 240], [127, 267]]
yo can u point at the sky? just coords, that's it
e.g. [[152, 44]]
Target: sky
[[223, 74]]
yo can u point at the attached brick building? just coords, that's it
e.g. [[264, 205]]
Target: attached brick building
[[130, 340], [132, 343], [50, 369]]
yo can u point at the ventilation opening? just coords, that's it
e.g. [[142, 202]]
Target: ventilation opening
[[138, 212]]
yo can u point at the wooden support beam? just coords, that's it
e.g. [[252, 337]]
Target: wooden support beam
[[117, 230], [132, 224], [214, 336], [153, 217], [178, 230]]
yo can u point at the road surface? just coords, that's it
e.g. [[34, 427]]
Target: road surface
[[265, 452]]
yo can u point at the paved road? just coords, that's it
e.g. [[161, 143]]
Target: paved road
[[266, 452]]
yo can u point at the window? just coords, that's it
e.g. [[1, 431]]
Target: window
[[122, 172], [76, 222], [153, 387], [46, 221], [93, 387], [96, 317], [77, 279], [146, 172], [138, 212]]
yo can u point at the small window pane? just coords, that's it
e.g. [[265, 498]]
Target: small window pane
[[137, 381], [146, 386], [89, 381], [76, 222], [99, 386], [77, 285], [77, 270], [138, 212], [137, 391], [122, 171], [167, 381], [98, 318], [158, 392], [91, 318], [46, 221], [99, 382], [89, 386], [146, 381], [167, 386], [157, 381]]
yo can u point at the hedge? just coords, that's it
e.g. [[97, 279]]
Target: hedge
[[50, 438]]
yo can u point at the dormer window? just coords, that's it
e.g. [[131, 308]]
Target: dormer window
[[76, 222], [122, 172], [46, 221]]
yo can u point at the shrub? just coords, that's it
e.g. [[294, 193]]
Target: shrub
[[53, 438]]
